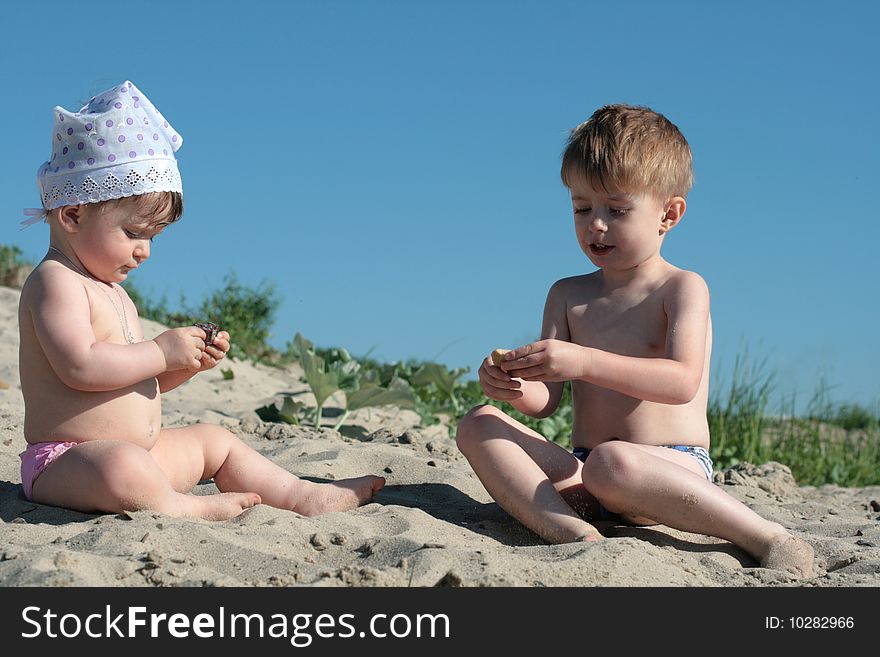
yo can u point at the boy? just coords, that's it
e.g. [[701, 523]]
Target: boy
[[634, 338], [91, 383]]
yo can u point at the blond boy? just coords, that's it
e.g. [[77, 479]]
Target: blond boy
[[635, 339]]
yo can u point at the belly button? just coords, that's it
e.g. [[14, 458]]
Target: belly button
[[151, 431]]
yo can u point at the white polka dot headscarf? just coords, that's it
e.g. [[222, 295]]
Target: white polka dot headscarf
[[117, 145]]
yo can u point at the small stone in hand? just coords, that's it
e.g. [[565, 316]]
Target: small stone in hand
[[210, 329]]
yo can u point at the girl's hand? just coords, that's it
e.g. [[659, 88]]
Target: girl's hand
[[182, 348], [215, 352], [547, 360]]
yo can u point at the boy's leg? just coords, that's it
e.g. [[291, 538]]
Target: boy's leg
[[533, 479], [205, 451], [647, 483], [113, 476]]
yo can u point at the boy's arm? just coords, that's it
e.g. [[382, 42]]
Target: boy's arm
[[61, 318], [674, 379], [540, 398]]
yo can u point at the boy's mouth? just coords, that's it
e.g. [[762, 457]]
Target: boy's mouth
[[600, 249]]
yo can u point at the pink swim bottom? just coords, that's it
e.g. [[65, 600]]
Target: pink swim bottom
[[36, 458]]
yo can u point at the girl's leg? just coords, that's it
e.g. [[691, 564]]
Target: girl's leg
[[647, 483], [114, 476], [533, 479], [212, 452]]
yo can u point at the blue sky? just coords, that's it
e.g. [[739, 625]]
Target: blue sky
[[393, 166]]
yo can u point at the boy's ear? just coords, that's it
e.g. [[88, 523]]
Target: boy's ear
[[675, 208], [69, 217]]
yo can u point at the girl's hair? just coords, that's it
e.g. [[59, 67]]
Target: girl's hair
[[164, 206]]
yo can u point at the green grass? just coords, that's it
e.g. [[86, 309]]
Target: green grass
[[14, 268], [828, 444], [247, 313]]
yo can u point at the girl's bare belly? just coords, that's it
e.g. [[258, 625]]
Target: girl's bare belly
[[133, 414]]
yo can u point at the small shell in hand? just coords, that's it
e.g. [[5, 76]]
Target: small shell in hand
[[497, 355]]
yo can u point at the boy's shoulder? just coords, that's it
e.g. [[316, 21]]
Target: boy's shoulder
[[572, 283], [676, 282], [686, 281]]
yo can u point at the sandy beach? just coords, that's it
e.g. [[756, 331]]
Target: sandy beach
[[432, 525]]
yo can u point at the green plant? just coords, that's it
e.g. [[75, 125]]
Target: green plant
[[244, 312], [362, 388], [854, 416], [828, 444], [321, 382], [13, 266], [291, 412], [443, 379], [738, 419], [370, 393]]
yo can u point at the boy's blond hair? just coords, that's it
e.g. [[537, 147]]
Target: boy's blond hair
[[629, 148]]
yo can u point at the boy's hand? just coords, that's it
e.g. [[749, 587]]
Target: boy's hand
[[182, 347], [497, 384], [215, 352], [547, 360]]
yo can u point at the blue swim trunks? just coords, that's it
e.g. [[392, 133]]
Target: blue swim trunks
[[699, 453]]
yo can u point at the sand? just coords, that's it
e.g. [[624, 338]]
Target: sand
[[432, 525]]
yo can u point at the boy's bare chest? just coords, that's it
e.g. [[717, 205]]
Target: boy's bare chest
[[630, 326]]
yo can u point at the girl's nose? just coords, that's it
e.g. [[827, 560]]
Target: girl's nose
[[142, 250]]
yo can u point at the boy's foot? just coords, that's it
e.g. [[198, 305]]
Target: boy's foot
[[341, 495], [221, 506], [790, 554], [590, 537], [571, 531]]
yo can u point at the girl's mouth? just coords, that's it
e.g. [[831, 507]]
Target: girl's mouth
[[600, 249]]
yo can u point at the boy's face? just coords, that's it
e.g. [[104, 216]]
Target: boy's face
[[617, 229], [112, 240]]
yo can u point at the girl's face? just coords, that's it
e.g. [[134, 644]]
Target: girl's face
[[111, 240]]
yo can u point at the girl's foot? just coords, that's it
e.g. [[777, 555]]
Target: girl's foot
[[341, 495], [221, 506]]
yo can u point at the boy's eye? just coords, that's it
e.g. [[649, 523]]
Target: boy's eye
[[581, 210], [138, 236], [619, 212]]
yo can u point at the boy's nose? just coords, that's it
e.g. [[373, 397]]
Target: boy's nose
[[597, 225]]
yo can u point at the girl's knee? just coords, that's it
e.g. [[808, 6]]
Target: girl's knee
[[125, 470], [214, 438], [216, 443], [213, 432]]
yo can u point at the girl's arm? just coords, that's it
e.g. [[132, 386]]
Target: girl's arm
[[61, 316]]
